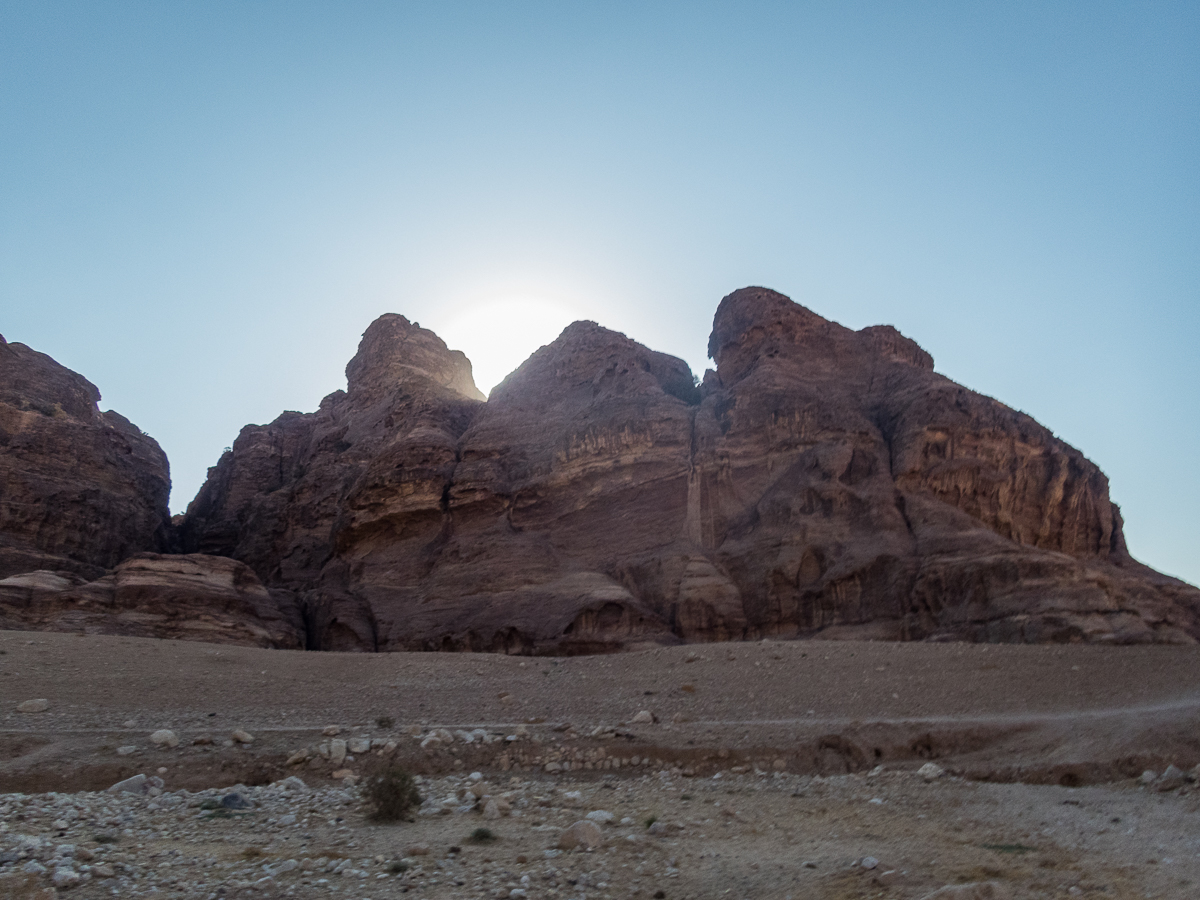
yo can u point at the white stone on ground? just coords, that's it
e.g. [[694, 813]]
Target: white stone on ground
[[583, 834]]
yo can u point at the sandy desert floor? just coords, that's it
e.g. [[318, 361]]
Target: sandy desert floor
[[774, 769]]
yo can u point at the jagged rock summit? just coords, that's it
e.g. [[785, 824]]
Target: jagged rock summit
[[820, 482]]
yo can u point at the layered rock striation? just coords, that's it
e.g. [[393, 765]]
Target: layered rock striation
[[80, 490], [820, 482], [197, 598]]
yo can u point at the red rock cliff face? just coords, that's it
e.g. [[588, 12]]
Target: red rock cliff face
[[821, 482], [80, 490], [309, 500], [848, 489]]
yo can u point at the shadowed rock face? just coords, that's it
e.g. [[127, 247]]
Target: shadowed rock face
[[821, 482], [80, 490]]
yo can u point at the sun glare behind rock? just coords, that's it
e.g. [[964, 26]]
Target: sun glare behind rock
[[500, 335]]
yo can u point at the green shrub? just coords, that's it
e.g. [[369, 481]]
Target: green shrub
[[482, 836], [391, 794]]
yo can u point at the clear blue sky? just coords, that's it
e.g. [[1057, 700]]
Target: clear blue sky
[[202, 205]]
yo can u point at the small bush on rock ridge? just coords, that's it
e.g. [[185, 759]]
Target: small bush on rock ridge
[[391, 794]]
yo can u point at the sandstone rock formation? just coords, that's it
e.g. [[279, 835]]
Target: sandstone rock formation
[[80, 490], [198, 598], [846, 487], [821, 482]]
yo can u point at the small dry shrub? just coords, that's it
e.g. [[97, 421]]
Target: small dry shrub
[[391, 794]]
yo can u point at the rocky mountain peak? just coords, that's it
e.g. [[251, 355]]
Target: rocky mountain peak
[[394, 351], [757, 324], [33, 381], [586, 356], [824, 482]]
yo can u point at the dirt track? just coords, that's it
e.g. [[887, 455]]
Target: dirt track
[[764, 718], [1071, 714]]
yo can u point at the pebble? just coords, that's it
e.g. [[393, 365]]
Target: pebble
[[931, 771], [337, 751], [164, 737], [869, 862], [645, 717], [242, 737], [583, 834], [133, 785], [600, 817], [65, 877], [33, 706], [234, 800], [1171, 780]]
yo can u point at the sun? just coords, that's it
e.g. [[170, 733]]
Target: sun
[[499, 335]]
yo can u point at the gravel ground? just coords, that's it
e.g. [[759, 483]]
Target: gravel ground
[[891, 834], [764, 770]]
